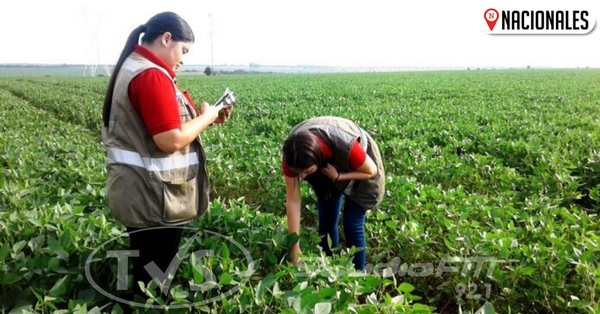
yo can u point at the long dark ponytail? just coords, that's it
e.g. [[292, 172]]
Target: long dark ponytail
[[157, 25]]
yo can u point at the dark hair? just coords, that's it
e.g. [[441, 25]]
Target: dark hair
[[301, 150], [154, 28]]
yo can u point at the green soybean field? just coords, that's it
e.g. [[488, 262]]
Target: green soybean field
[[491, 206]]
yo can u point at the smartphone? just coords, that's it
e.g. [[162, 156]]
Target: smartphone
[[228, 99]]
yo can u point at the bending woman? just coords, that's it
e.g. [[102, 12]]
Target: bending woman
[[340, 161]]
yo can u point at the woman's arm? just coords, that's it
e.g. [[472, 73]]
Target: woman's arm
[[292, 204], [366, 171], [176, 139]]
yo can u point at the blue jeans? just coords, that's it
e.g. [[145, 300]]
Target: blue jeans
[[354, 223]]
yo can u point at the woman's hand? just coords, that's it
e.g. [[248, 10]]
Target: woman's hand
[[176, 139], [211, 112], [366, 171], [294, 251], [330, 172], [225, 116]]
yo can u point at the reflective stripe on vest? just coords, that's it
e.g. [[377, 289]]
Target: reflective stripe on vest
[[117, 155]]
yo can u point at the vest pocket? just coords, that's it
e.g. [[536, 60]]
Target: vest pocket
[[180, 199]]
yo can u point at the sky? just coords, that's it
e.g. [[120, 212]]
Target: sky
[[374, 33]]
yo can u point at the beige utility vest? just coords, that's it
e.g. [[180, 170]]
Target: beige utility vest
[[146, 186], [340, 134]]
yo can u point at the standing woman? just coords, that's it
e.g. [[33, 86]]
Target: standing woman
[[156, 164], [340, 161]]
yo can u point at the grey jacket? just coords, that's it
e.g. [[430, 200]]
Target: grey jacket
[[340, 134], [147, 187]]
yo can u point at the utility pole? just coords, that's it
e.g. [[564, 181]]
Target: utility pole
[[212, 59], [93, 20]]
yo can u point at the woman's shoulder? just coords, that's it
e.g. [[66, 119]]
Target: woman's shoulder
[[151, 78]]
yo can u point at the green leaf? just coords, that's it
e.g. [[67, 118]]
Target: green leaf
[[406, 287], [417, 307], [65, 239], [53, 264], [196, 270], [24, 308], [309, 299], [291, 238], [372, 299], [528, 271], [271, 258], [263, 285], [328, 292], [55, 248], [4, 251], [226, 279], [323, 308], [59, 288], [36, 243], [116, 309], [225, 251], [315, 238], [17, 247], [179, 294], [95, 310], [86, 295], [487, 308], [9, 278]]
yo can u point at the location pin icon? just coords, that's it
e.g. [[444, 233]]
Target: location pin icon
[[491, 17]]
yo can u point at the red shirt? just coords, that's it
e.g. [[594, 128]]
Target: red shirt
[[356, 159], [153, 96]]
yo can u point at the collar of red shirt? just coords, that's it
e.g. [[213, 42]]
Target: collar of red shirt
[[146, 53]]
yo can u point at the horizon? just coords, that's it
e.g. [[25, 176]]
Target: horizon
[[184, 67], [54, 70]]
